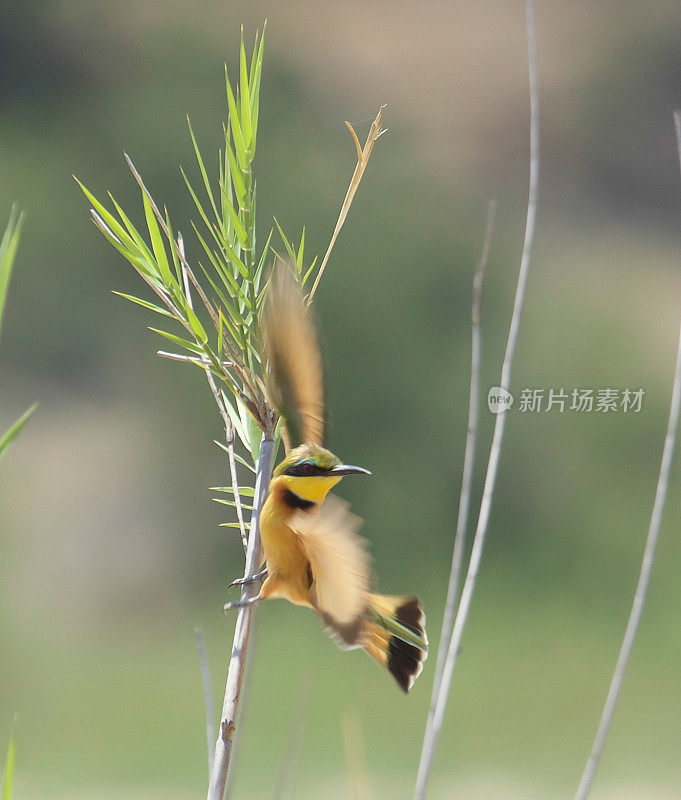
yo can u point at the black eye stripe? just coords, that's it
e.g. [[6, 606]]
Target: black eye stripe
[[305, 469]]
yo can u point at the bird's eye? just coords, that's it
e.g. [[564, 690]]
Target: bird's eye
[[308, 470]]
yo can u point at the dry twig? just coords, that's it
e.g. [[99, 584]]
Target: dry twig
[[646, 565], [432, 734], [468, 463], [363, 154]]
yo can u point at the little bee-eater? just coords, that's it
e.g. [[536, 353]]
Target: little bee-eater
[[314, 555]]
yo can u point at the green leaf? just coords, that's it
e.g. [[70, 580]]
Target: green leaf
[[234, 525], [9, 769], [108, 218], [157, 243], [237, 421], [202, 167], [144, 250], [239, 147], [173, 248], [237, 457], [261, 264], [301, 249], [198, 205], [245, 102], [237, 180], [254, 87], [231, 503], [195, 325], [309, 272], [12, 432], [187, 345], [255, 434], [145, 304], [239, 229], [8, 251], [245, 491], [289, 247]]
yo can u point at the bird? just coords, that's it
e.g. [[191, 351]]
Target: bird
[[314, 554]]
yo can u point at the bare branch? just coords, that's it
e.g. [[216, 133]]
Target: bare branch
[[244, 620], [646, 565], [207, 695], [468, 463], [432, 735]]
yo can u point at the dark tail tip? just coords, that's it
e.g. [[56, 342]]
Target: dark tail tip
[[405, 661]]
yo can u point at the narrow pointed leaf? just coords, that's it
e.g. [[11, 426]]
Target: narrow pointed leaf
[[13, 431]]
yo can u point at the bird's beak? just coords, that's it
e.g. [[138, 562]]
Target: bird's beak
[[348, 469]]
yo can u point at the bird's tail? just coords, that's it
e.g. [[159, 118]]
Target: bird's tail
[[396, 637]]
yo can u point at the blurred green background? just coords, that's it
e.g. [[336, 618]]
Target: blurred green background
[[110, 550]]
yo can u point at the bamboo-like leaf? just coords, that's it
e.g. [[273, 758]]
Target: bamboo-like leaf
[[13, 431], [254, 431], [231, 503], [239, 229], [173, 250], [141, 265], [239, 147], [142, 247], [310, 270], [238, 422], [145, 304], [237, 179], [244, 98], [254, 88], [195, 325], [261, 264], [290, 249], [244, 491], [116, 228], [197, 203], [234, 525], [8, 250], [9, 769], [192, 347], [237, 457], [301, 250], [202, 168], [157, 243]]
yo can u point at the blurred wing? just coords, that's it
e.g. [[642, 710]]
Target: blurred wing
[[340, 568], [295, 382]]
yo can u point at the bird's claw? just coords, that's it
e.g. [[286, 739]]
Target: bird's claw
[[242, 581], [240, 603]]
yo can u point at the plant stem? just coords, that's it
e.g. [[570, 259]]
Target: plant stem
[[646, 565], [244, 621], [468, 463], [431, 737], [207, 695]]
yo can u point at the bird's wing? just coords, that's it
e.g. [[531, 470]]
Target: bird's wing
[[340, 568], [295, 383]]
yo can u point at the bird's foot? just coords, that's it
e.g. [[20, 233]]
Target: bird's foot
[[240, 603], [257, 577]]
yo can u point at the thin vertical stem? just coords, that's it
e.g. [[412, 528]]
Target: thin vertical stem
[[244, 622], [646, 565], [207, 695], [468, 463], [433, 733]]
